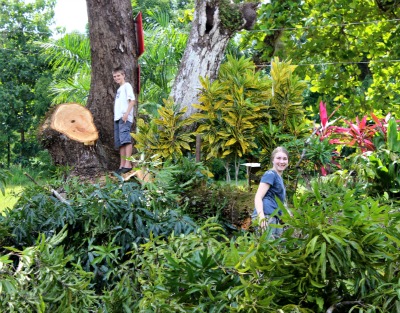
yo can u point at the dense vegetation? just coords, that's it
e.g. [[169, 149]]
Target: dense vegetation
[[180, 242], [124, 247]]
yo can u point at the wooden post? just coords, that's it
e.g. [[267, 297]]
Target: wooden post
[[249, 166]]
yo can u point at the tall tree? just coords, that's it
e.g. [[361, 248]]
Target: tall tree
[[347, 50], [21, 24], [214, 24], [112, 44]]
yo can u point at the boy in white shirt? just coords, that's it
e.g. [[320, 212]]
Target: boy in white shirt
[[125, 101]]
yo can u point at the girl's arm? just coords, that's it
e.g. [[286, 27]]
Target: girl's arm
[[258, 203]]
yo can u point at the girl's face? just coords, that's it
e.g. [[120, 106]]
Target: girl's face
[[280, 162]]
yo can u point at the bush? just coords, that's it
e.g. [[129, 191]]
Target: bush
[[340, 252], [118, 247], [103, 222]]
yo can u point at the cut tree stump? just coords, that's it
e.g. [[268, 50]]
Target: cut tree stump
[[76, 122]]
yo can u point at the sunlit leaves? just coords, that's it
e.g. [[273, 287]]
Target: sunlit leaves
[[165, 136], [230, 108], [287, 93]]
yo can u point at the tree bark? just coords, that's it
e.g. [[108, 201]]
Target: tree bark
[[113, 43], [205, 49]]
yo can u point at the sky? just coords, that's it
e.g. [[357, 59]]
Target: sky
[[71, 14]]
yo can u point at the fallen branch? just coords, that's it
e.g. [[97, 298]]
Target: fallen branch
[[53, 192], [344, 303]]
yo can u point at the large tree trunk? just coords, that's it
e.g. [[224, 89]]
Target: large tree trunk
[[113, 43], [205, 48], [203, 55]]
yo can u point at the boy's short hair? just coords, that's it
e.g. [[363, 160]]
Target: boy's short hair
[[119, 69]]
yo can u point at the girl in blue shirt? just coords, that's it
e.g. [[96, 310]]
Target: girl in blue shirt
[[271, 188]]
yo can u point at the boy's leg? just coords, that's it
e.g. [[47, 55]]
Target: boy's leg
[[126, 147], [126, 152], [117, 142]]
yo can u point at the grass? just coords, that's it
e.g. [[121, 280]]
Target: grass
[[15, 184]]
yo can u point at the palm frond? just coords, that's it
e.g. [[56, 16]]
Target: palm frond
[[69, 54]]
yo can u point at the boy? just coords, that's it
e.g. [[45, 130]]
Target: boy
[[123, 118]]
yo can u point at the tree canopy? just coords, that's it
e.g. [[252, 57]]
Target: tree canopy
[[347, 50], [24, 74]]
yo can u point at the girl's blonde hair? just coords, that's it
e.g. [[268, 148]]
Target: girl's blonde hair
[[279, 149]]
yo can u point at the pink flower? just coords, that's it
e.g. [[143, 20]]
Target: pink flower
[[323, 114]]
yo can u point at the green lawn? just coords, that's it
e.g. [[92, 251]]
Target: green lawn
[[15, 180]]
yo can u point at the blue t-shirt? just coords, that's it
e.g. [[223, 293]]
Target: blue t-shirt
[[276, 189]]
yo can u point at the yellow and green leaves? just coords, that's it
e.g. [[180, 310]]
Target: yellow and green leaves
[[231, 107], [165, 135], [287, 93]]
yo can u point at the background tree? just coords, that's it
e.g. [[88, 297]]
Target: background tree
[[22, 72], [214, 24], [230, 110], [347, 52]]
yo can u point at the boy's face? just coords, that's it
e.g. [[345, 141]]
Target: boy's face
[[119, 78]]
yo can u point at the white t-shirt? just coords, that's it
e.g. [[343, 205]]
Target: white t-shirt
[[124, 93]]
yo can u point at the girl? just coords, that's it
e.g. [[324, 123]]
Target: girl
[[270, 188]]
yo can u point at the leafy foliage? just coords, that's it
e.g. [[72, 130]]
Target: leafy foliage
[[4, 175], [165, 44], [347, 51], [59, 283], [165, 136], [70, 58], [103, 223], [231, 107], [333, 254], [380, 168], [126, 250], [23, 74]]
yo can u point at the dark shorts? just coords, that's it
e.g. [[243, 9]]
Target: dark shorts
[[272, 220], [122, 133]]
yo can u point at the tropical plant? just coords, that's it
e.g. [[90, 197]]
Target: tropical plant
[[231, 107], [70, 58], [287, 90], [380, 169], [320, 153], [359, 134], [165, 136], [362, 136], [60, 283]]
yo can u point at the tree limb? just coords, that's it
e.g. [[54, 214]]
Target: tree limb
[[53, 192], [344, 303]]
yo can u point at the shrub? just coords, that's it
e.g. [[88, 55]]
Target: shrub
[[103, 223]]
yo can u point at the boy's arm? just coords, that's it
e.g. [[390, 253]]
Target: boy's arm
[[131, 104]]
